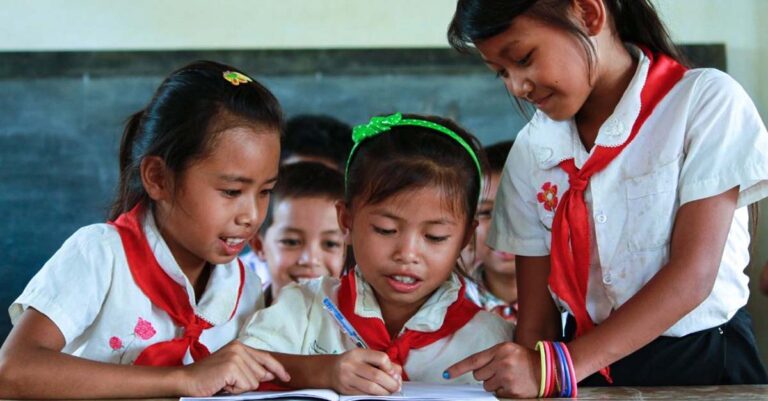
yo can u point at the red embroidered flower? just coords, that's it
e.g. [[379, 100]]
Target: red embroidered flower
[[548, 196], [115, 343], [144, 329]]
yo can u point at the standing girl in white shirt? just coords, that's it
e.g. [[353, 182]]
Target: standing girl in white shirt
[[118, 310], [411, 192], [625, 196]]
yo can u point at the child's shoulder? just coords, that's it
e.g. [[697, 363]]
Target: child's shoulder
[[314, 288], [94, 238], [713, 101], [707, 85]]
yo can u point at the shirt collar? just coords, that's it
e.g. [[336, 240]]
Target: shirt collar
[[555, 141], [220, 296], [429, 317]]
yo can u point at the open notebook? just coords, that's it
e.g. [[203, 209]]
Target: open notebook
[[410, 391]]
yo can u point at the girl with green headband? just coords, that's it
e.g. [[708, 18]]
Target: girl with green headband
[[412, 187]]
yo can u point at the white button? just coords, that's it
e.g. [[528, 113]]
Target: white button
[[601, 218], [607, 278]]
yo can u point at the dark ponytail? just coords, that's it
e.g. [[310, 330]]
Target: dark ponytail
[[635, 21], [179, 125], [129, 188]]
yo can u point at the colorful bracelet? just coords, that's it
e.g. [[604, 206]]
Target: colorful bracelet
[[558, 378]]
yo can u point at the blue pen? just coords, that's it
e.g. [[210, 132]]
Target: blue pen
[[346, 327]]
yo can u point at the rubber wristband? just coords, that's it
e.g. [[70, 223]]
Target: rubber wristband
[[540, 348], [572, 371], [564, 371]]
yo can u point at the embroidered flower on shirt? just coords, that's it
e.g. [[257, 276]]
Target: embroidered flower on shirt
[[115, 343], [548, 196], [144, 329]]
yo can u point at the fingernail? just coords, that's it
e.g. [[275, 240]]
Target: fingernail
[[446, 375]]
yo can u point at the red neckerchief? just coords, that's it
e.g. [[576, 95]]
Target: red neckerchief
[[166, 294], [375, 334], [570, 229]]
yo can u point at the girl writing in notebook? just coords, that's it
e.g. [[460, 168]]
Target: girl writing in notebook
[[122, 307], [412, 188], [624, 199]]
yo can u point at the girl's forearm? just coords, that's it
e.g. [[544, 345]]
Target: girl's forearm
[[67, 376], [538, 317]]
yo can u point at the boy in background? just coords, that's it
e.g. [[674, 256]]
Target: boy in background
[[300, 238]]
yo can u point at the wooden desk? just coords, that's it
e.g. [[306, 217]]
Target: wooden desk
[[720, 393], [711, 393]]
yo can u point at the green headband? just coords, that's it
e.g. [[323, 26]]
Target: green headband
[[377, 125]]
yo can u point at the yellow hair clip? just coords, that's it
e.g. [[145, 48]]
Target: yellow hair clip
[[236, 78]]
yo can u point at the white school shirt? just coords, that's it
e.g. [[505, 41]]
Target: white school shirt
[[88, 291], [704, 138], [298, 324]]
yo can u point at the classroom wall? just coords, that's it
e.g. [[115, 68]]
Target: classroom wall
[[155, 25], [40, 25]]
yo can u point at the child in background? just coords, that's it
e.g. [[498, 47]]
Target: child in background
[[318, 138], [626, 195], [121, 307], [495, 284], [313, 138], [412, 188], [300, 238]]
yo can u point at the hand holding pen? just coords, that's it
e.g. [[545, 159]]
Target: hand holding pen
[[361, 370]]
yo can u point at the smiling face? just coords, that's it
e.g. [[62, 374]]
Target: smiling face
[[542, 64], [304, 241], [406, 246], [220, 201]]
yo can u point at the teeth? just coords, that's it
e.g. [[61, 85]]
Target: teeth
[[405, 279], [234, 241]]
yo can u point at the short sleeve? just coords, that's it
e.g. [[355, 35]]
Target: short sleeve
[[726, 143], [282, 326], [515, 226], [71, 287]]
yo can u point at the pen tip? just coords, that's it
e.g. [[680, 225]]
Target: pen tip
[[446, 375]]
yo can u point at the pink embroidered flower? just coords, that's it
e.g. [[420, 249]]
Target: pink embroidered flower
[[548, 196], [115, 343], [144, 329]]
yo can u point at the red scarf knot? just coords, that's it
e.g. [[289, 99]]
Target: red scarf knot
[[375, 333], [164, 293], [577, 183], [193, 330]]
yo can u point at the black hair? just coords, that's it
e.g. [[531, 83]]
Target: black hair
[[304, 180], [634, 21], [497, 155], [319, 136], [413, 157], [182, 121]]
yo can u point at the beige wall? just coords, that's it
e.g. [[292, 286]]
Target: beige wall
[[39, 25]]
